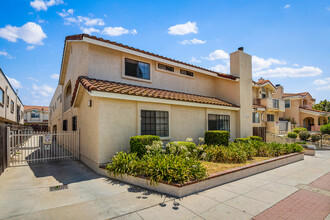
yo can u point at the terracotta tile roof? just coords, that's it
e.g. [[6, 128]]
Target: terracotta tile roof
[[258, 106], [262, 81], [91, 84], [41, 108], [81, 36], [295, 94], [314, 110]]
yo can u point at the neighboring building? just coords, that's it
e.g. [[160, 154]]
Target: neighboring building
[[266, 108], [111, 92], [298, 109], [36, 117], [11, 107]]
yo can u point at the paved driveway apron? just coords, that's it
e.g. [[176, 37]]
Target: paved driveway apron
[[25, 193]]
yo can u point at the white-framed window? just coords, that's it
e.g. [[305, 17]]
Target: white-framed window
[[35, 114], [155, 123], [287, 103], [270, 117], [165, 67], [186, 72], [2, 97], [256, 117], [219, 122], [137, 69]]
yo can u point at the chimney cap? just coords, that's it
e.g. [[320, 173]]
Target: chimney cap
[[241, 48], [278, 85]]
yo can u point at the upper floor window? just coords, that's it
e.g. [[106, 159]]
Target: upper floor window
[[154, 123], [74, 123], [186, 72], [165, 67], [137, 69], [7, 101], [287, 103], [2, 97], [219, 122], [35, 114], [256, 117], [12, 106], [276, 103], [270, 117]]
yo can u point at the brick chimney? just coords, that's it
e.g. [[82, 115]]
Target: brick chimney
[[241, 66]]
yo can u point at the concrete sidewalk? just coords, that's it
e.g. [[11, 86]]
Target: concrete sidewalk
[[24, 194]]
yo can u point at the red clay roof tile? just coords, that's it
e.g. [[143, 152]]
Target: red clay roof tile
[[122, 88], [41, 108], [314, 110]]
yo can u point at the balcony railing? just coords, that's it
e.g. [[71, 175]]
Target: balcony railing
[[269, 103]]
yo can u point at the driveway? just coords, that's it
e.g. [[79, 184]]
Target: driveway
[[25, 193]]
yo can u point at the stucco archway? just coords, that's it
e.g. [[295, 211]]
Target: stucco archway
[[308, 123]]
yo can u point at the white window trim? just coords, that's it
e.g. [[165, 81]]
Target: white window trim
[[123, 57], [289, 102]]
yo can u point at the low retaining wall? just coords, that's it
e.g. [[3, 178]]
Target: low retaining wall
[[216, 179]]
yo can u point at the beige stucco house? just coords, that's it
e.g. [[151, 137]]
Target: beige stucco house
[[36, 117], [11, 107], [111, 92], [298, 108], [266, 107]]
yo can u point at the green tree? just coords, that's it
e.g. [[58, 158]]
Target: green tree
[[323, 106]]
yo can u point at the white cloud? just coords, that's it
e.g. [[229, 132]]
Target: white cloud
[[30, 32], [323, 84], [5, 54], [221, 68], [217, 55], [44, 90], [182, 29], [287, 6], [89, 30], [86, 21], [15, 83], [32, 78], [44, 5], [193, 41], [194, 60], [259, 63], [55, 76], [117, 31], [304, 71], [65, 13], [328, 8], [30, 47], [41, 21]]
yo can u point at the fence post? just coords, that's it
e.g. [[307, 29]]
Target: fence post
[[8, 146]]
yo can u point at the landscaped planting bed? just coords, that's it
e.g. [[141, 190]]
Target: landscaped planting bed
[[182, 168]]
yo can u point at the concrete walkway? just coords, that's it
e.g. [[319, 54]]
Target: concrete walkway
[[25, 194]]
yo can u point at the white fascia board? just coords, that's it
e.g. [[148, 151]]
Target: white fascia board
[[151, 57], [314, 113], [157, 100]]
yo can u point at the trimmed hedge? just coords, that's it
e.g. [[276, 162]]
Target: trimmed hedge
[[255, 138], [316, 137], [304, 135], [292, 135], [216, 138], [242, 140], [137, 144], [299, 129], [325, 129]]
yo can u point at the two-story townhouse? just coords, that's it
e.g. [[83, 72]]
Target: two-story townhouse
[[11, 107], [266, 108], [36, 117], [298, 108], [111, 92]]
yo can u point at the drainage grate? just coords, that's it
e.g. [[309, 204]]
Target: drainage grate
[[57, 188]]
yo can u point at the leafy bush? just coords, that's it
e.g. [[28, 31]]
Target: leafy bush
[[246, 147], [325, 129], [300, 142], [255, 138], [299, 129], [315, 137], [243, 140], [292, 135], [216, 138], [304, 135], [224, 154], [138, 143], [158, 167]]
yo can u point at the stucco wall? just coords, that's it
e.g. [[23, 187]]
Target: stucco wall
[[120, 119]]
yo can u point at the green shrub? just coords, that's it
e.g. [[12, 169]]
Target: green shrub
[[255, 138], [243, 140], [246, 147], [300, 142], [304, 135], [216, 138], [299, 129], [225, 154], [315, 137], [138, 143], [158, 167], [325, 129], [292, 135]]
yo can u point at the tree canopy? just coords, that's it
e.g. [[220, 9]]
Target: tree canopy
[[323, 106]]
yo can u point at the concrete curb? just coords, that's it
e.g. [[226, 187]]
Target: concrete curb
[[216, 179]]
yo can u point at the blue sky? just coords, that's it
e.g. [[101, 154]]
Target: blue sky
[[289, 40]]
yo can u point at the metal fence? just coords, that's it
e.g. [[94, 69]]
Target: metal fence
[[26, 146]]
